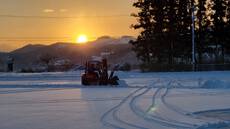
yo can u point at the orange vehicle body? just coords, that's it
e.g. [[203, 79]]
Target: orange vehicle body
[[96, 73]]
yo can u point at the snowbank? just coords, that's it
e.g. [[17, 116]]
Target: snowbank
[[220, 125], [216, 84]]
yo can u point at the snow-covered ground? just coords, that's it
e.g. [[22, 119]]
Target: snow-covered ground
[[186, 100]]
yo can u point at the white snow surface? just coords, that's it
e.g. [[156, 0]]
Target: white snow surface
[[141, 101]]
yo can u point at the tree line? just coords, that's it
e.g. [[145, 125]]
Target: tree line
[[166, 31]]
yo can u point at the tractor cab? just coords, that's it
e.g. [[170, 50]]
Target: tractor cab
[[96, 73]]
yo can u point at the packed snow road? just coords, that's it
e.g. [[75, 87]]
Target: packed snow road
[[141, 101]]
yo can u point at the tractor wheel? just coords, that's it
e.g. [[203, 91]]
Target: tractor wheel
[[84, 81], [114, 81]]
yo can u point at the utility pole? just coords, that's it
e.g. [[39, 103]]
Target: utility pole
[[193, 36]]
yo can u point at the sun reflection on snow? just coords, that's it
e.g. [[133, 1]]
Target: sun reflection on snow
[[152, 109]]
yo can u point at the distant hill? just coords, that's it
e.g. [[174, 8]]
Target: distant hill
[[28, 48], [119, 49], [106, 40], [3, 54], [3, 57]]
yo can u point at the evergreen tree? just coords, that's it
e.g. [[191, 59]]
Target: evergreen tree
[[184, 40], [227, 32], [171, 19], [219, 25], [202, 28], [141, 47], [149, 43], [166, 29], [166, 25]]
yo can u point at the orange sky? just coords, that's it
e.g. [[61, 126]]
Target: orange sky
[[93, 18]]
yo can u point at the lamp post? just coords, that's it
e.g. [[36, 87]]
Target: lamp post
[[193, 36]]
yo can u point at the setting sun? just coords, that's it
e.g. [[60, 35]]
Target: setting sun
[[82, 39]]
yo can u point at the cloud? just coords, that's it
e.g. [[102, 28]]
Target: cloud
[[48, 10], [52, 10], [63, 10]]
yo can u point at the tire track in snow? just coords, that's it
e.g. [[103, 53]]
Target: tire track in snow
[[181, 111], [63, 101], [153, 118], [106, 114], [124, 122], [175, 108], [32, 90], [184, 112], [115, 110], [172, 108]]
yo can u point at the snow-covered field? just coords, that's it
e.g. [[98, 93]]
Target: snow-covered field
[[184, 100]]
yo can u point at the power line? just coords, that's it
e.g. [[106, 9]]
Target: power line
[[60, 17], [38, 37], [42, 39], [28, 38], [49, 38], [17, 40], [33, 38]]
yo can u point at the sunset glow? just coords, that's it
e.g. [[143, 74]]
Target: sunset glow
[[50, 21]]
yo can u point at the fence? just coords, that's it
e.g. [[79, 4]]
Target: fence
[[185, 67]]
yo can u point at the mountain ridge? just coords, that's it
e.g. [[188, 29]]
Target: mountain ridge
[[119, 48]]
